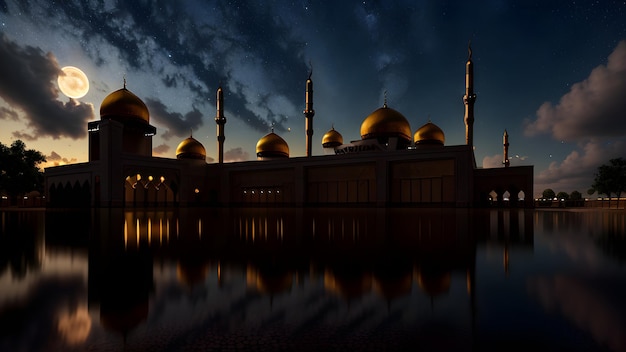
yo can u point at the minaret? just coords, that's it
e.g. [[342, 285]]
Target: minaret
[[309, 113], [505, 144], [220, 120], [469, 98]]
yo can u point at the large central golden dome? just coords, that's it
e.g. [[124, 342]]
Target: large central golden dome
[[123, 105], [272, 146], [190, 148], [385, 123]]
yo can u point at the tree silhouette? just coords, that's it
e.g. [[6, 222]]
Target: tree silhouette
[[563, 195], [19, 173], [548, 194], [611, 178]]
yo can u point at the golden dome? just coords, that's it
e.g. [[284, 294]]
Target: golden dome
[[332, 139], [429, 134], [386, 122], [272, 146], [124, 105], [190, 148]]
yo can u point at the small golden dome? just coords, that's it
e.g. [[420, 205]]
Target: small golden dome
[[124, 105], [386, 122], [190, 148], [429, 134], [272, 146], [332, 139]]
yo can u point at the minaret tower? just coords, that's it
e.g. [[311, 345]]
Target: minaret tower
[[309, 113], [220, 120], [469, 98], [505, 144]]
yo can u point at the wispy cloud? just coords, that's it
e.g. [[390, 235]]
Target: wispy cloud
[[8, 114], [161, 149], [54, 159], [236, 154], [175, 123]]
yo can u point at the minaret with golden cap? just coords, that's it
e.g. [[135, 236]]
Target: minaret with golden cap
[[469, 98], [220, 120], [505, 145], [309, 113]]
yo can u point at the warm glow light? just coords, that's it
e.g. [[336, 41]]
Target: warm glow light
[[150, 178], [196, 191], [73, 82], [75, 326]]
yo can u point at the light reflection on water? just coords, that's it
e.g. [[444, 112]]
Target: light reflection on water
[[312, 279]]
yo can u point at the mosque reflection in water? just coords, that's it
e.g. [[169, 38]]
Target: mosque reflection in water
[[353, 253], [312, 279]]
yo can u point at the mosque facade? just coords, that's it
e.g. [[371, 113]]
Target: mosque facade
[[389, 166]]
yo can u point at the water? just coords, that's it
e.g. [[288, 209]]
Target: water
[[313, 279]]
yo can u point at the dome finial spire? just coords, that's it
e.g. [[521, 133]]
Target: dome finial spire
[[469, 50], [385, 99], [124, 78]]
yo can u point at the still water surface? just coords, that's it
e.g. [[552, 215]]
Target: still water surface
[[313, 279]]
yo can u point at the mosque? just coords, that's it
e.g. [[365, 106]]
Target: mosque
[[388, 166]]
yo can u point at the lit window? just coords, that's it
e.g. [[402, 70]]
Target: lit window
[[150, 178]]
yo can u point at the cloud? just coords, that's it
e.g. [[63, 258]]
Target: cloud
[[236, 154], [161, 149], [578, 168], [176, 124], [54, 159], [8, 114], [24, 136], [496, 160], [27, 84], [592, 108], [492, 161]]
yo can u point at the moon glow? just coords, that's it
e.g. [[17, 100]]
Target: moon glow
[[74, 83]]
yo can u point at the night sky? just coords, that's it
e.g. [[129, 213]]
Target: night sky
[[553, 73]]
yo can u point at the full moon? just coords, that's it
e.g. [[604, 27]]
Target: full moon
[[73, 83]]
